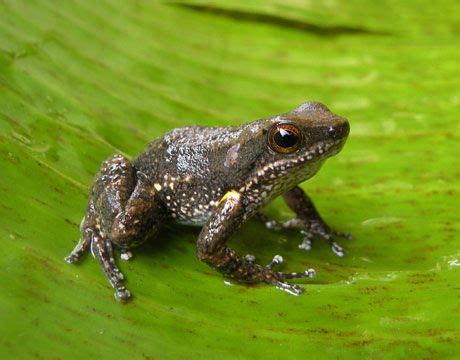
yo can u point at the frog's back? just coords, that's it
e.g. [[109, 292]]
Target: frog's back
[[187, 167], [193, 152], [201, 136]]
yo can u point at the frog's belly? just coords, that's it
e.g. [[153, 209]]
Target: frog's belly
[[192, 222], [191, 209], [195, 216]]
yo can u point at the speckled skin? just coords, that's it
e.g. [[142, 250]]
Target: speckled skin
[[215, 177]]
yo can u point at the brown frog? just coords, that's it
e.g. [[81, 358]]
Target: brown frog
[[217, 178]]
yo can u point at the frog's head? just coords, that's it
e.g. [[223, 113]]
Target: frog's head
[[297, 143], [309, 132]]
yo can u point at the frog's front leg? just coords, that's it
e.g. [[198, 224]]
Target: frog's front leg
[[229, 214], [123, 210], [307, 220]]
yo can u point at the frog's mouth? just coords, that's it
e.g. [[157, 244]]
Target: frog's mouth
[[284, 173], [318, 152], [327, 148], [306, 163], [302, 165]]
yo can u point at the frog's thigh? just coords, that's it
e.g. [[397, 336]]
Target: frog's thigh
[[127, 203]]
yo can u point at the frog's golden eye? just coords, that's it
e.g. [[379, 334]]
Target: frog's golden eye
[[284, 138]]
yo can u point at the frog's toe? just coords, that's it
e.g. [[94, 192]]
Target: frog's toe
[[337, 249], [309, 237], [122, 294], [251, 259], [71, 259], [310, 273], [291, 289], [126, 254], [307, 241], [272, 224], [269, 224], [80, 249], [277, 259]]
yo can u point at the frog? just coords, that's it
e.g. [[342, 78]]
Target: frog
[[215, 178]]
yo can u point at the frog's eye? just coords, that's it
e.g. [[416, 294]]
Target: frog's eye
[[284, 138]]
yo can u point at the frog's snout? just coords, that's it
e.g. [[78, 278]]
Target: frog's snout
[[339, 130]]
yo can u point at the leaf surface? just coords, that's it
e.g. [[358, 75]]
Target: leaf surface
[[82, 80]]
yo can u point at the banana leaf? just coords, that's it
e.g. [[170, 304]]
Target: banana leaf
[[81, 80]]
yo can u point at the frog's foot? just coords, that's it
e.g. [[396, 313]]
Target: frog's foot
[[280, 283], [309, 230], [293, 289], [80, 249], [77, 253], [101, 248], [278, 259], [314, 229]]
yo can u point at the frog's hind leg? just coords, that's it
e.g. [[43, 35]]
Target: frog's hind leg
[[124, 210], [101, 249], [129, 210]]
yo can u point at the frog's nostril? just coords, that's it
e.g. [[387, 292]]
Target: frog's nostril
[[338, 131], [332, 131]]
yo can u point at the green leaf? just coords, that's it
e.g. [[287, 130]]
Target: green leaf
[[81, 80]]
